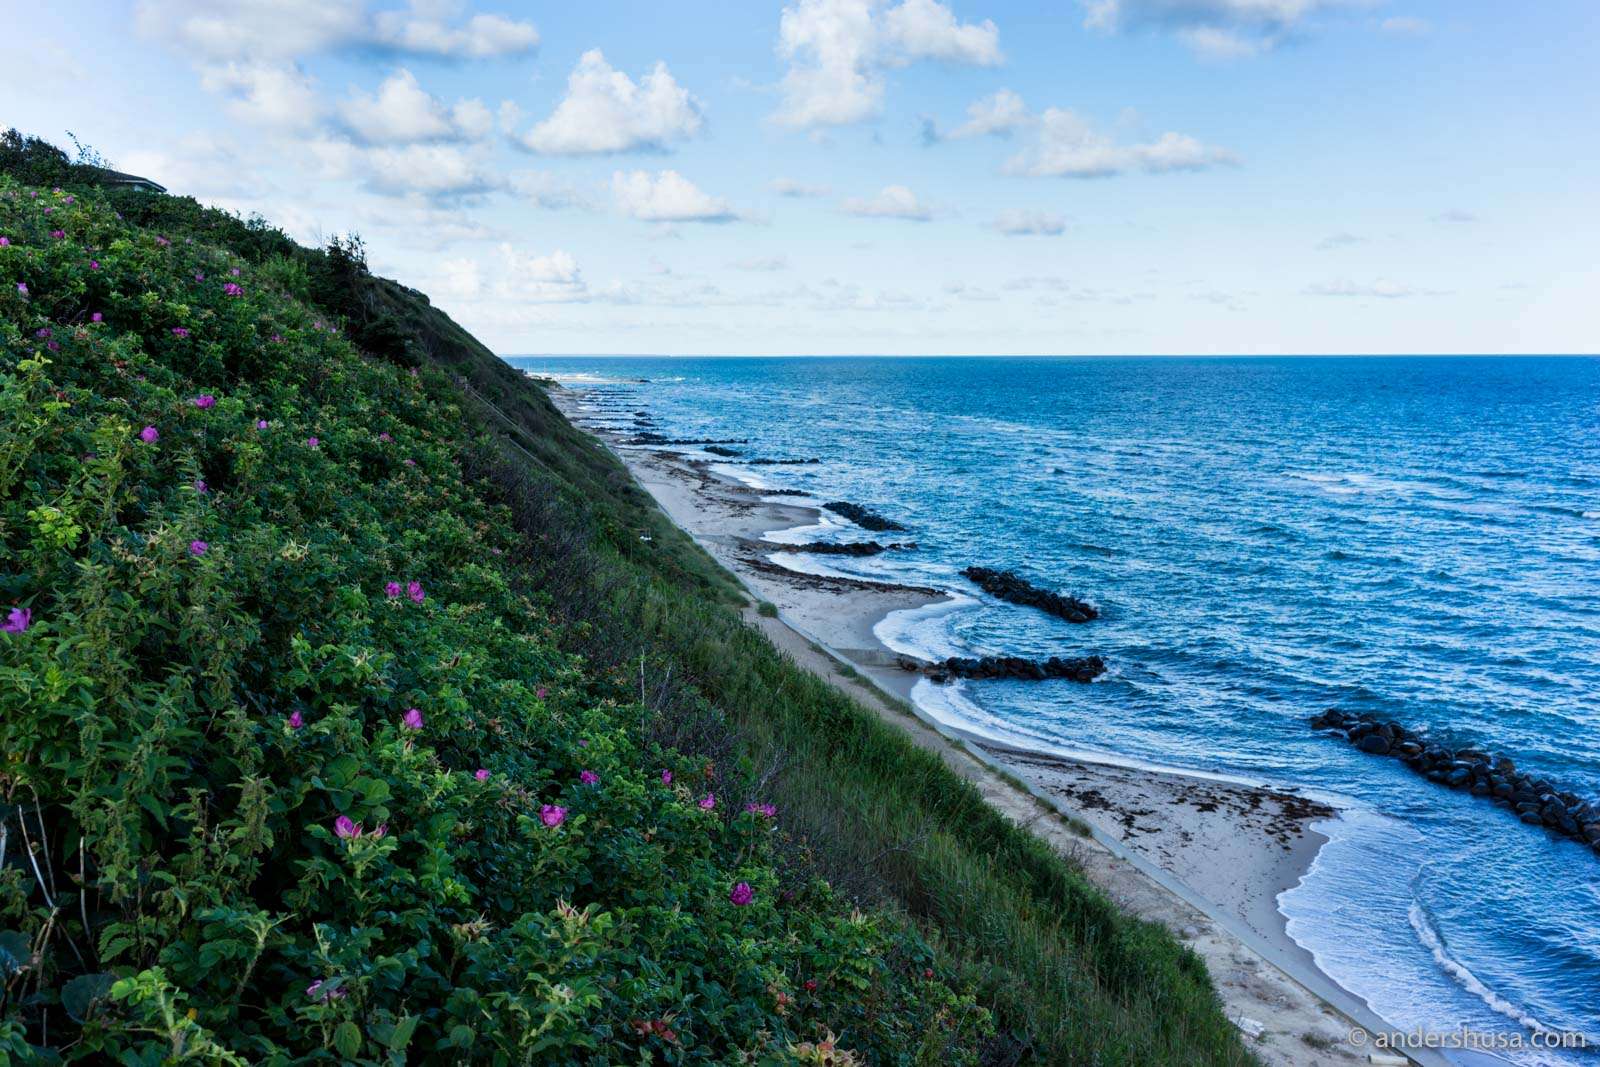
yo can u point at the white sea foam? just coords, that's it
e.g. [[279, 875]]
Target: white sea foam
[[578, 377], [923, 632], [741, 474], [1434, 943], [1352, 483], [1351, 910]]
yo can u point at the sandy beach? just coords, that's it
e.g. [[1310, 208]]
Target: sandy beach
[[1205, 857]]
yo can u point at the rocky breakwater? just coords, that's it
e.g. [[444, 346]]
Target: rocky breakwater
[[1495, 778], [846, 548], [862, 517], [996, 668], [1008, 585], [662, 439]]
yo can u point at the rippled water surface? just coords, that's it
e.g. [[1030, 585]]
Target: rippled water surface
[[1265, 538]]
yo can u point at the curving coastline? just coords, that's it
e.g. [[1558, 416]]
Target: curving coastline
[[1206, 856]]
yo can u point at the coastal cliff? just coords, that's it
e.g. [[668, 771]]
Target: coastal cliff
[[355, 705]]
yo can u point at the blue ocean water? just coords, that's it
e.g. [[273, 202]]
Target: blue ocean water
[[1266, 538]]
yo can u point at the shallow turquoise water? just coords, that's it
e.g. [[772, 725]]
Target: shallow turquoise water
[[1265, 538]]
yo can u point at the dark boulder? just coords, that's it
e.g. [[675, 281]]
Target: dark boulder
[[867, 520], [660, 439], [1008, 585], [845, 548], [994, 668], [1534, 800]]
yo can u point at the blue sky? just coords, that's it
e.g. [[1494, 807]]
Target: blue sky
[[885, 176]]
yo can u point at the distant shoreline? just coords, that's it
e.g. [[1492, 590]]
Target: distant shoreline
[[1204, 856]]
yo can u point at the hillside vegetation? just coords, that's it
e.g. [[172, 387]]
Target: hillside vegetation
[[346, 717]]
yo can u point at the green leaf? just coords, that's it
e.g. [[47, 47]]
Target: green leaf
[[81, 995], [347, 1039], [401, 1037]]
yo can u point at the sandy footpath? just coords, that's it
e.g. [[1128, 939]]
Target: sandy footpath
[[1206, 858]]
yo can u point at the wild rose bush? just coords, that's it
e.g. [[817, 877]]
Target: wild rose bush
[[291, 765]]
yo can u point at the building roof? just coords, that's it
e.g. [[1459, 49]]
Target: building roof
[[117, 177]]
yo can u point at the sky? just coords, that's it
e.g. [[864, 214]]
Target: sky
[[883, 176]]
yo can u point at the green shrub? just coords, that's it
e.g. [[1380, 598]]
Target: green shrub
[[294, 764]]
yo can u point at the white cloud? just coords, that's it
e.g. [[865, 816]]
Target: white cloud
[[276, 96], [761, 264], [250, 53], [1339, 240], [1456, 216], [791, 188], [415, 222], [894, 202], [1406, 26], [217, 31], [1218, 29], [1069, 147], [666, 196], [1214, 43], [548, 191], [995, 115], [220, 31], [1016, 223], [427, 30], [436, 171], [605, 111], [515, 277], [963, 291], [402, 112], [1382, 289], [837, 51], [927, 29]]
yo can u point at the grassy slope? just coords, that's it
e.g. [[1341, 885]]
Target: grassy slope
[[1072, 978], [1068, 977]]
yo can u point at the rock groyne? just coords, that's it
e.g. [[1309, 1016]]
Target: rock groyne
[[1495, 778], [1008, 585]]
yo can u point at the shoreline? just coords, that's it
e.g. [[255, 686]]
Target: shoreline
[[1205, 856]]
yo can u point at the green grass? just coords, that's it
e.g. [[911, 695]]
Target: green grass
[[658, 661]]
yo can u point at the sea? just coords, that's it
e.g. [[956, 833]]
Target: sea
[[1265, 538]]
